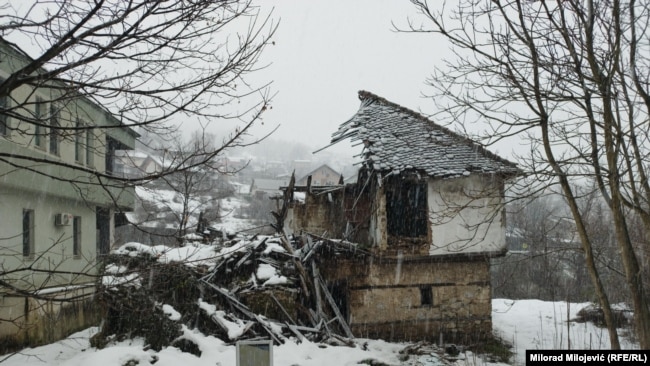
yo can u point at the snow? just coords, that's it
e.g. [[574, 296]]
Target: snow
[[193, 237], [193, 254], [115, 269], [171, 312], [273, 247], [269, 273], [536, 324], [132, 279], [235, 329], [230, 222], [265, 271], [134, 249], [60, 289], [300, 196], [527, 324]]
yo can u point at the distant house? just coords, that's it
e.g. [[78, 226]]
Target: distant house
[[136, 164], [261, 187], [301, 167], [324, 175], [57, 213], [427, 208]]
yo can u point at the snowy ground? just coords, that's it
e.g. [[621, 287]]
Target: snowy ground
[[535, 324], [527, 324], [231, 221]]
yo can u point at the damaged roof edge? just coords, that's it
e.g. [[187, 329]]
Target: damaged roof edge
[[366, 96]]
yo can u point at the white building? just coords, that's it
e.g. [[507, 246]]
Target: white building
[[58, 202]]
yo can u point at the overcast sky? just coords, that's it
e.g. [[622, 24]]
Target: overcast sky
[[326, 51]]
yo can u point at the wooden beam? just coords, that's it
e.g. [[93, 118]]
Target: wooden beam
[[335, 308]]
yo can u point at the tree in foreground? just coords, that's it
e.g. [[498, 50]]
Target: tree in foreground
[[151, 64], [77, 79], [572, 79]]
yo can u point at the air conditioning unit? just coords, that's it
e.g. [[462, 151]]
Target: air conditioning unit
[[63, 219]]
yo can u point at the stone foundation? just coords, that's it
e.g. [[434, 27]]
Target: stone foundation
[[33, 322], [418, 299]]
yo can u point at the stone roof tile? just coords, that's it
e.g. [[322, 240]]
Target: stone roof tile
[[398, 139]]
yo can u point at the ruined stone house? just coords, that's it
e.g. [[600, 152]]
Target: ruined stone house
[[427, 208]]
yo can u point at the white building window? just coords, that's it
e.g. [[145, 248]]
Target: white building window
[[39, 114], [54, 131], [90, 148], [79, 141]]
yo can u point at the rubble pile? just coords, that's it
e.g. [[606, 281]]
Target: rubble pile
[[243, 288]]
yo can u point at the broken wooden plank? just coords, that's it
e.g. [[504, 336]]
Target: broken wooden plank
[[315, 318], [268, 329], [335, 308], [332, 320], [304, 283], [342, 244], [241, 307], [319, 301], [295, 331], [310, 248], [348, 342], [214, 271], [244, 258], [225, 327], [306, 329], [277, 302], [270, 261]]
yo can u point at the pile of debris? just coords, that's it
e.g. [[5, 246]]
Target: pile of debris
[[244, 288]]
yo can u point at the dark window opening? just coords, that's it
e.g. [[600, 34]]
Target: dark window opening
[[103, 226], [406, 209], [76, 236], [111, 146], [39, 113], [28, 233], [55, 125], [90, 152], [79, 140], [426, 296], [4, 119]]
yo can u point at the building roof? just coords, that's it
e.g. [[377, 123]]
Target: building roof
[[262, 184], [6, 46], [398, 139], [322, 166]]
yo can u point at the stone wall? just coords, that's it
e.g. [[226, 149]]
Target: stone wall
[[322, 213], [415, 299], [35, 322]]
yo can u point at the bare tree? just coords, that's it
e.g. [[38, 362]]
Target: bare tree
[[78, 76], [190, 192], [570, 77], [545, 260], [150, 64]]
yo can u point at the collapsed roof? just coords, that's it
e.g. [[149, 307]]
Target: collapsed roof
[[398, 139]]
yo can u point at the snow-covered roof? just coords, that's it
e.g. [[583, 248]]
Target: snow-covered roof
[[262, 184], [325, 167], [398, 139]]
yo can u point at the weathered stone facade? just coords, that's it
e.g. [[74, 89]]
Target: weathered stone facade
[[396, 290], [419, 299], [428, 212], [44, 321]]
